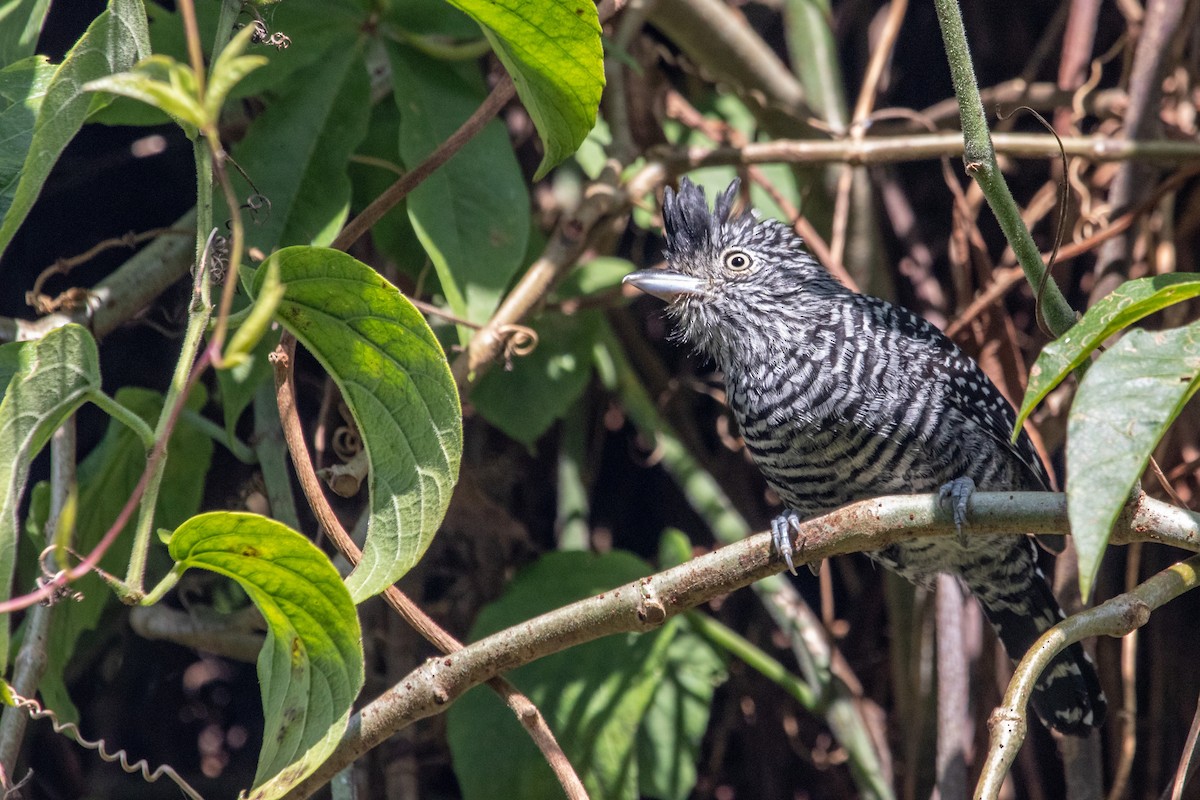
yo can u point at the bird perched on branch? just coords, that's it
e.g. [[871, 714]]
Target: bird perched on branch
[[842, 397]]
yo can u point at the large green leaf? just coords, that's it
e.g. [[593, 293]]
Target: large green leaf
[[594, 696], [311, 665], [115, 40], [106, 479], [54, 376], [296, 151], [1130, 302], [552, 50], [472, 215], [397, 383], [1128, 399]]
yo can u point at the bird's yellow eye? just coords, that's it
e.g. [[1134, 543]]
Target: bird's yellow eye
[[738, 260]]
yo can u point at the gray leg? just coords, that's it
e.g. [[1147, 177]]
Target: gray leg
[[781, 537]]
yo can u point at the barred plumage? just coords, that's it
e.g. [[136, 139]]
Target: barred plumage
[[841, 397]]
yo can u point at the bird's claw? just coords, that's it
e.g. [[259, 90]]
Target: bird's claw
[[958, 492], [781, 536]]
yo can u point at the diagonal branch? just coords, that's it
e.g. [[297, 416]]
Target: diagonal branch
[[647, 603]]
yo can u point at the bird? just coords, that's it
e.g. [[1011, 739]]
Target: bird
[[842, 396]]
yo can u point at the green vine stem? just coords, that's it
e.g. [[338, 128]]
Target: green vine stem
[[979, 157]]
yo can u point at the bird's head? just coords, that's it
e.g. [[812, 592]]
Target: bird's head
[[733, 281]]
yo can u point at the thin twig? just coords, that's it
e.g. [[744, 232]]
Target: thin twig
[[1187, 762], [953, 693], [922, 147], [501, 93], [1128, 715]]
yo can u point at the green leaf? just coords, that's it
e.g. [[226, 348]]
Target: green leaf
[[228, 70], [20, 23], [672, 732], [266, 300], [526, 400], [161, 82], [113, 42], [1125, 404], [311, 665], [106, 478], [1130, 302], [593, 695], [54, 376], [472, 215], [394, 377], [552, 50], [296, 151]]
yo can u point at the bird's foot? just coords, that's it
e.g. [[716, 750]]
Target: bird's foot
[[781, 536], [957, 493]]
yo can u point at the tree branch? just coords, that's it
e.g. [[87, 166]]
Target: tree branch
[[647, 603]]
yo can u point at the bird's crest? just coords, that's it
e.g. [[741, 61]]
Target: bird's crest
[[687, 222]]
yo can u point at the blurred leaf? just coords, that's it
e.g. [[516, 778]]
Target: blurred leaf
[[22, 22], [377, 166], [592, 154], [599, 275], [672, 732], [296, 151], [1125, 404], [432, 18], [53, 378], [106, 478], [1130, 302], [311, 664], [472, 215], [552, 50], [115, 40], [594, 696], [526, 400], [394, 377]]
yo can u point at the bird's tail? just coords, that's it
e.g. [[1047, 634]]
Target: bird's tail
[[1017, 600]]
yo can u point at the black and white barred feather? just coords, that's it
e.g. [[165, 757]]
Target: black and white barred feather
[[841, 397]]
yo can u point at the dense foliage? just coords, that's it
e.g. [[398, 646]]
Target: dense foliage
[[437, 199]]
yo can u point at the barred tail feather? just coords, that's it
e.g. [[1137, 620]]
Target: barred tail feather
[[1067, 697]]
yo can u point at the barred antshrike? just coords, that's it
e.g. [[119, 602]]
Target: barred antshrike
[[841, 397]]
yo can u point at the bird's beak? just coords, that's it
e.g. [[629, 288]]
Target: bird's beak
[[664, 284]]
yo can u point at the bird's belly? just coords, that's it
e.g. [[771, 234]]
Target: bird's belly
[[816, 470]]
